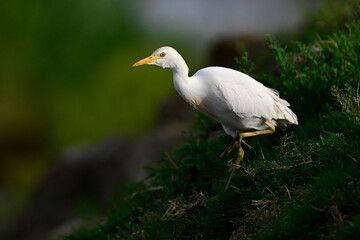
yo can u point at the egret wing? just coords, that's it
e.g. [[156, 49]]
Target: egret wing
[[237, 100]]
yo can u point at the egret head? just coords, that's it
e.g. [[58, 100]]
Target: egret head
[[165, 57]]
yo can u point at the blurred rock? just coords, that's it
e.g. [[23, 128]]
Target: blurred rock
[[225, 51]]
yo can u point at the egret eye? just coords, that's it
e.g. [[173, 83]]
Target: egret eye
[[162, 54]]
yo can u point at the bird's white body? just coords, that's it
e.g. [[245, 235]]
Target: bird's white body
[[237, 101]]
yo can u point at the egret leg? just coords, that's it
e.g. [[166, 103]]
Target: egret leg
[[235, 166], [241, 151], [261, 132]]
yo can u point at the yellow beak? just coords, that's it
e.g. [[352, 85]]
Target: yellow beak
[[147, 60]]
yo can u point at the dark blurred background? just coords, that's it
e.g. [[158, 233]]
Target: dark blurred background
[[77, 121]]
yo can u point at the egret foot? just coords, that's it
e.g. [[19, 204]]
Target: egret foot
[[238, 140], [231, 146]]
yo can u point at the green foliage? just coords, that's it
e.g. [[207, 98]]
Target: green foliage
[[300, 185], [308, 72], [349, 102], [245, 65]]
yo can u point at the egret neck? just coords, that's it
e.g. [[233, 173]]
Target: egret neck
[[181, 77]]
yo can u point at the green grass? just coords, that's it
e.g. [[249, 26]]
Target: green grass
[[302, 184]]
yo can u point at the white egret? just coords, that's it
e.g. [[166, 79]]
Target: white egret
[[243, 106]]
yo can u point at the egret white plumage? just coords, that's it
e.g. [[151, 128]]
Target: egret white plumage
[[243, 106]]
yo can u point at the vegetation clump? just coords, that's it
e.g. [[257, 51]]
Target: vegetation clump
[[300, 184]]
